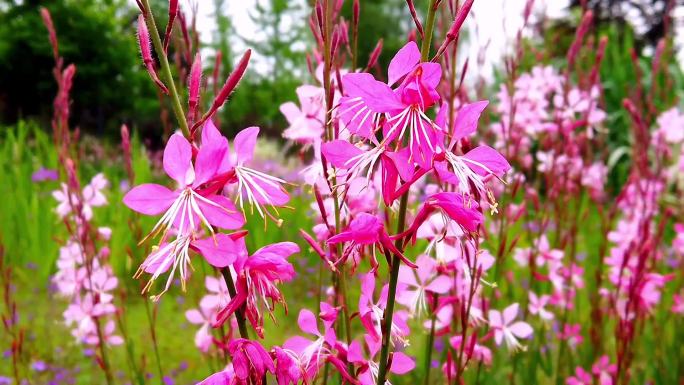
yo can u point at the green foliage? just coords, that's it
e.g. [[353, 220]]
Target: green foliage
[[95, 35]]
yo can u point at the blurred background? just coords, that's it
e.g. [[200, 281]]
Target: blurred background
[[99, 37]]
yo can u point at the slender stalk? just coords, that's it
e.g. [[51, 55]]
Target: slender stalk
[[391, 294], [429, 26], [240, 312], [165, 68], [430, 340], [153, 334], [401, 223]]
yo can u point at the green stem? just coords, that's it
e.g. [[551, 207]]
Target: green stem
[[401, 223], [153, 334], [389, 310], [103, 353], [429, 26], [165, 68], [240, 312]]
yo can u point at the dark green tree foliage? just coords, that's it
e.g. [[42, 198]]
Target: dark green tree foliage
[[109, 87], [651, 15]]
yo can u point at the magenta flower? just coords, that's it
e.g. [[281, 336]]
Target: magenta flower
[[460, 209], [189, 206], [581, 377], [257, 279], [223, 377], [310, 355], [308, 119], [220, 251], [371, 312], [250, 361], [258, 188], [367, 100], [536, 306], [368, 372], [505, 329], [359, 162], [365, 230], [417, 283]]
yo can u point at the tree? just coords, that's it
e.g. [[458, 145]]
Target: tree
[[109, 86]]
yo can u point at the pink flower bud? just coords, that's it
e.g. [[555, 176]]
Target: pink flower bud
[[146, 51], [173, 11], [227, 88], [194, 84], [47, 20], [373, 59]]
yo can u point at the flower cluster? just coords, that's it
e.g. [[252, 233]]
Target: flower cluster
[[84, 275]]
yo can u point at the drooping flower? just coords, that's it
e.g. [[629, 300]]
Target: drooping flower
[[257, 278], [251, 361], [365, 230]]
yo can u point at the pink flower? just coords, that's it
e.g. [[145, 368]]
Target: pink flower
[[505, 329], [220, 251], [250, 361], [536, 306], [604, 370], [189, 206], [258, 188], [257, 279], [371, 312], [416, 283], [581, 377], [307, 120], [368, 372], [365, 230], [573, 334], [202, 317], [367, 99], [310, 355], [461, 210]]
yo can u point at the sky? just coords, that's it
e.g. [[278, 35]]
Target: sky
[[492, 23]]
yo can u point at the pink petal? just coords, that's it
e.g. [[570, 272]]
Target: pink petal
[[223, 213], [403, 62], [213, 156], [307, 322], [340, 153], [378, 96], [466, 120], [407, 276], [355, 353], [401, 363], [245, 142], [281, 249], [440, 285], [510, 313], [291, 112], [149, 199], [495, 320], [488, 157], [297, 344], [219, 252], [177, 160], [194, 316], [521, 329]]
